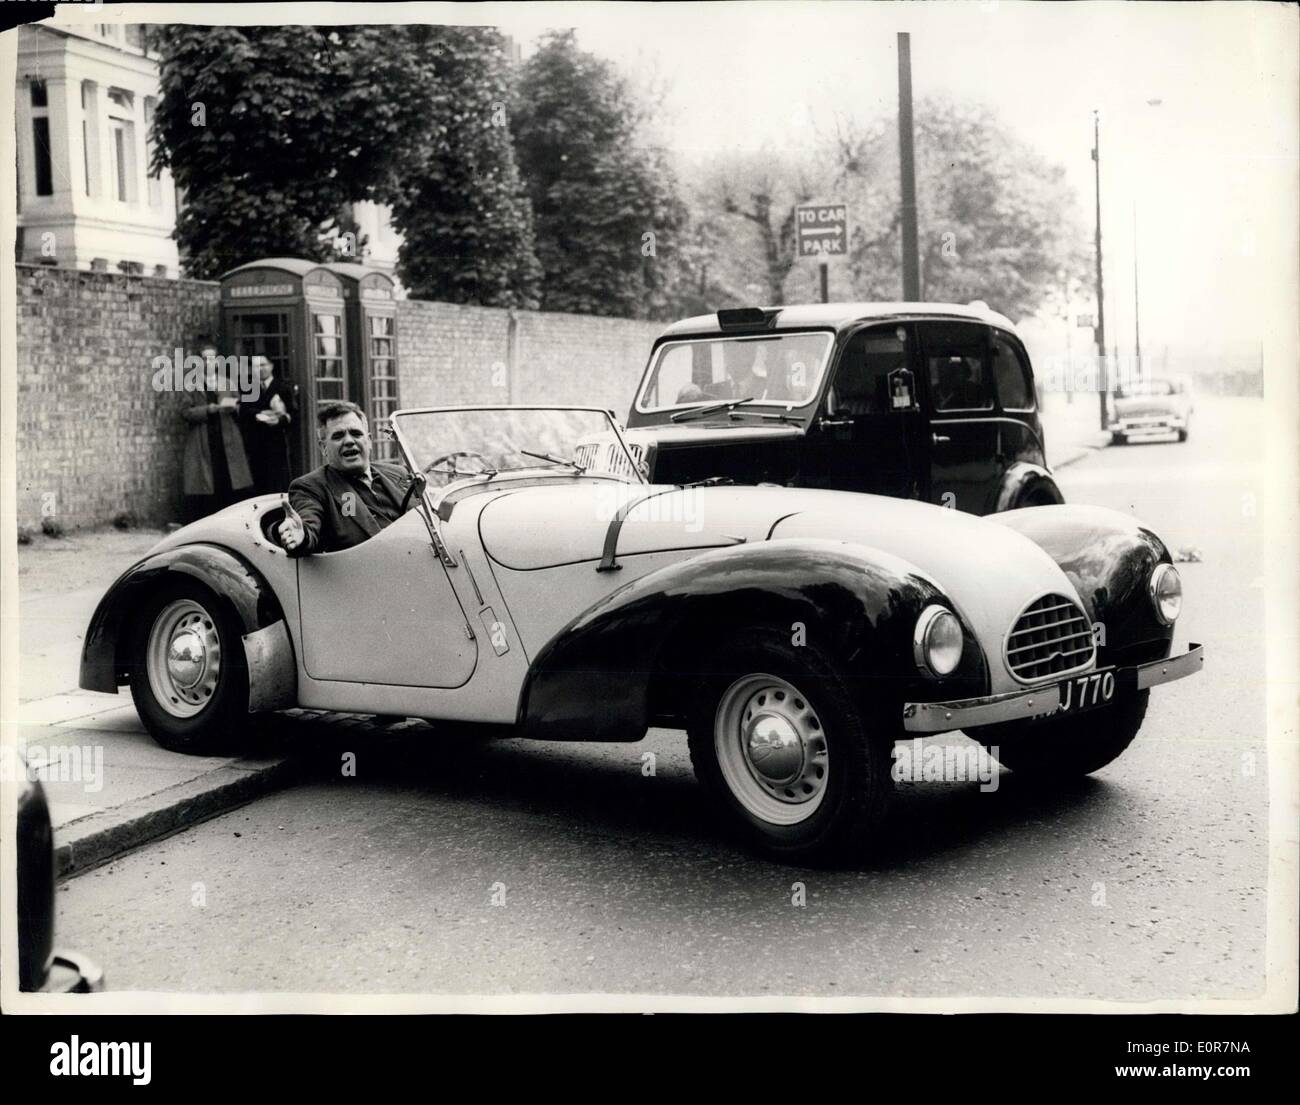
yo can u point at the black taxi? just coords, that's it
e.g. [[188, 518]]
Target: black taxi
[[927, 401]]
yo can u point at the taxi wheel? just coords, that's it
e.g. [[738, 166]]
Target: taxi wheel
[[1118, 439], [188, 677], [1070, 746], [1182, 435], [798, 765]]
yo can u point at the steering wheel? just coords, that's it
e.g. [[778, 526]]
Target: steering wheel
[[452, 457]]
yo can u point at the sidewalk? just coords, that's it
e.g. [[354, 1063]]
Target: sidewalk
[[109, 786], [1071, 428]]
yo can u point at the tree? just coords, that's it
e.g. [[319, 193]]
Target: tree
[[751, 198], [272, 133], [997, 222], [465, 218], [609, 221]]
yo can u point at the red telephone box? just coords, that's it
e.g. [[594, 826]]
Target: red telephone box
[[295, 313], [371, 304]]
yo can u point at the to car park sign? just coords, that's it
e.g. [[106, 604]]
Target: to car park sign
[[821, 229]]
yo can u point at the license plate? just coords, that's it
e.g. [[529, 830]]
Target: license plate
[[1087, 691]]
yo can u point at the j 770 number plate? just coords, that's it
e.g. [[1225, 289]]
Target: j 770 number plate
[[1084, 692]]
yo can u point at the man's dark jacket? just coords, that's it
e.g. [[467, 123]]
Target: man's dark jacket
[[334, 514]]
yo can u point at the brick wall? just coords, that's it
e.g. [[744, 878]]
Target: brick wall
[[95, 439], [452, 355]]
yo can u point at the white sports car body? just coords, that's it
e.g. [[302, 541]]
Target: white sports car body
[[540, 583]]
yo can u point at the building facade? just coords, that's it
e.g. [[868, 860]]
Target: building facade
[[85, 99], [86, 198]]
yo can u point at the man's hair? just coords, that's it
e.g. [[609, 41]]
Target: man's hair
[[327, 412]]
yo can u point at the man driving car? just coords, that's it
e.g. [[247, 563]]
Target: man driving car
[[349, 498]]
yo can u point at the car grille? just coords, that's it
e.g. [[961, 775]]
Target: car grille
[[1052, 637]]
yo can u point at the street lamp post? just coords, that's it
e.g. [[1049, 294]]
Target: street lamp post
[[1101, 296], [1137, 326]]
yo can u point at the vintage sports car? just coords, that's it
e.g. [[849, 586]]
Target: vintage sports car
[[1155, 407], [794, 634], [929, 401]]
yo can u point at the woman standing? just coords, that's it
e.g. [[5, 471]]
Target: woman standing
[[215, 467]]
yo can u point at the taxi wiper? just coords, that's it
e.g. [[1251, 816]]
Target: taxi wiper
[[555, 460], [713, 408], [773, 416]]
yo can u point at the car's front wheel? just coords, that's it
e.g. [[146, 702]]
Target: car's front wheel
[[782, 742], [187, 671], [1118, 438], [1069, 746]]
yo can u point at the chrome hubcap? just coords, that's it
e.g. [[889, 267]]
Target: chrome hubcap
[[771, 748], [183, 658]]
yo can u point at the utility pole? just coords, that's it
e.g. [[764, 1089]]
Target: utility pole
[[1137, 327], [1102, 382], [907, 171]]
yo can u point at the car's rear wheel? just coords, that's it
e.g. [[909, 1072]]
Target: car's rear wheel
[[795, 760], [1118, 439], [1069, 746], [187, 671], [1182, 434]]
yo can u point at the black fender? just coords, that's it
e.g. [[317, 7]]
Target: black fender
[[1109, 557], [1021, 479], [267, 646], [625, 662]]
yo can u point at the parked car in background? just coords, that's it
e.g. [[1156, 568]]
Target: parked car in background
[[926, 401], [545, 586], [1160, 406]]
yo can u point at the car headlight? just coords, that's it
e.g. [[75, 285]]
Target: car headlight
[[1166, 590], [937, 641]]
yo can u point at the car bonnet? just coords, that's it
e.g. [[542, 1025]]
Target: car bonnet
[[989, 572]]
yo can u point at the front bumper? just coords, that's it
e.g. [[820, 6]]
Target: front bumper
[[970, 713], [1148, 424]]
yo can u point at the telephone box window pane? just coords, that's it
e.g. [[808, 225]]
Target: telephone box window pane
[[266, 336]]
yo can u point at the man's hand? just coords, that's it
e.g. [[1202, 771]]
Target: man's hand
[[291, 531]]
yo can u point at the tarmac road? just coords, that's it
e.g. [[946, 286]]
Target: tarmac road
[[457, 867]]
